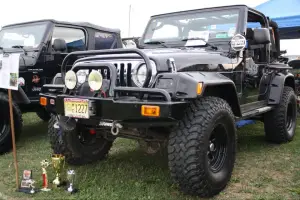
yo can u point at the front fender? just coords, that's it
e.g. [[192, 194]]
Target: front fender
[[183, 85]]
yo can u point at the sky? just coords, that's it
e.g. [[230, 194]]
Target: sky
[[111, 13]]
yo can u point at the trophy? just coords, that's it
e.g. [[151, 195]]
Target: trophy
[[58, 161], [44, 165], [71, 180], [27, 182]]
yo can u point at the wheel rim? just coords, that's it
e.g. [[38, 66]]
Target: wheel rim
[[290, 117], [217, 148]]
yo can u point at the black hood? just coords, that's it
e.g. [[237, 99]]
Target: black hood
[[185, 58]]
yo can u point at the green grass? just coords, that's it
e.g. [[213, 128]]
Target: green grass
[[262, 170]]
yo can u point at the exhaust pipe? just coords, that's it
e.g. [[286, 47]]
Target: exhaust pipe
[[115, 128]]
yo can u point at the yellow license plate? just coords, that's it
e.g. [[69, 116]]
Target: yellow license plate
[[76, 108]]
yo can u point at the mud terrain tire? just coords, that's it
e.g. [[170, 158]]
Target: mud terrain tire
[[202, 148], [280, 123]]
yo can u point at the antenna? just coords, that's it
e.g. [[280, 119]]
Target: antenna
[[129, 19]]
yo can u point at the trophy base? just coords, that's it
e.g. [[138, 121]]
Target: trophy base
[[45, 189], [28, 190], [75, 190], [61, 184]]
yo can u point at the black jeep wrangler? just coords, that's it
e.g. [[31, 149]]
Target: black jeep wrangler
[[192, 80], [43, 45]]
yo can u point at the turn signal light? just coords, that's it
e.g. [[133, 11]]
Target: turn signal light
[[43, 101], [199, 88], [150, 111]]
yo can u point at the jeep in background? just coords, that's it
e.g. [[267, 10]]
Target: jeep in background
[[43, 45], [195, 74]]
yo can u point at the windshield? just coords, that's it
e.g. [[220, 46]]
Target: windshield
[[27, 36], [207, 25]]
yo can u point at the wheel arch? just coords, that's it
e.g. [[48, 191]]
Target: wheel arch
[[279, 81], [18, 96], [227, 92]]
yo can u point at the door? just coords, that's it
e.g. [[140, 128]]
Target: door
[[256, 59], [75, 40]]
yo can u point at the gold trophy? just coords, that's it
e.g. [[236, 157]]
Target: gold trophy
[[58, 162], [44, 165]]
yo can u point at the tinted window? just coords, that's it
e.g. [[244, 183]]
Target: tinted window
[[105, 40], [75, 38]]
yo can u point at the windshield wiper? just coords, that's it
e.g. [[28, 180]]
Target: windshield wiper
[[157, 42], [20, 47], [202, 39]]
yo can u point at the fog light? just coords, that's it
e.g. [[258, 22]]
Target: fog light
[[95, 80], [150, 111], [43, 101], [70, 80]]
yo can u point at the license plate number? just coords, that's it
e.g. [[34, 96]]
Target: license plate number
[[77, 108]]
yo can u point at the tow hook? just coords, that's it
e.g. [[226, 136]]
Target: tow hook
[[56, 125], [115, 128]]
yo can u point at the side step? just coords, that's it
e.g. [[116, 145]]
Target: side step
[[256, 112]]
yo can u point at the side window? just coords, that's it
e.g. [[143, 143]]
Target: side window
[[253, 25], [74, 38], [105, 40]]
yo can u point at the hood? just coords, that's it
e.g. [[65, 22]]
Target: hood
[[198, 59], [190, 58]]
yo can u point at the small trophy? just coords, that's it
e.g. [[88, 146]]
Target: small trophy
[[71, 180], [44, 165], [31, 182], [58, 161], [27, 182]]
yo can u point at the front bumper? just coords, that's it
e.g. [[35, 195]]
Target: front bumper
[[119, 109]]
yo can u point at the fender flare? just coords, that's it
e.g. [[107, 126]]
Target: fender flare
[[57, 79], [19, 96], [214, 84], [277, 84]]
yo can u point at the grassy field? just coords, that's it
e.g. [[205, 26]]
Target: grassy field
[[262, 170]]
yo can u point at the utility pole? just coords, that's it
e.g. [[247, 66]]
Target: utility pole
[[129, 20]]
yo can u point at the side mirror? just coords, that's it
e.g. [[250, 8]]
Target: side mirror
[[59, 45], [295, 64], [261, 36]]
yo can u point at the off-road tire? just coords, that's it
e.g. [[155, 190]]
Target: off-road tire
[[43, 114], [278, 127], [54, 135], [77, 153], [5, 133], [188, 152]]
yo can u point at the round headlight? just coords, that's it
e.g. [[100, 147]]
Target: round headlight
[[95, 80], [139, 75], [81, 76], [70, 80]]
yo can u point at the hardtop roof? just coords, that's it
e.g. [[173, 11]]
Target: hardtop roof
[[81, 24]]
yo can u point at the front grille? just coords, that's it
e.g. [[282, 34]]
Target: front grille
[[124, 70], [124, 73]]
